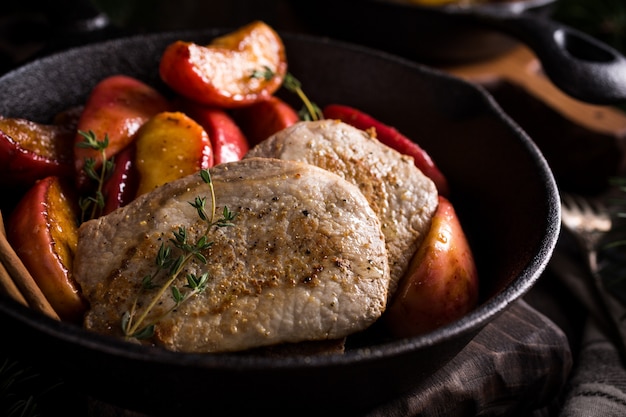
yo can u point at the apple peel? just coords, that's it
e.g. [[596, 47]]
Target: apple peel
[[441, 284]]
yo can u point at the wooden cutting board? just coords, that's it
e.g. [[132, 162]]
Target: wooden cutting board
[[583, 143]]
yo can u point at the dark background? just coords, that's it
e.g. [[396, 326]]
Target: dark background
[[32, 28]]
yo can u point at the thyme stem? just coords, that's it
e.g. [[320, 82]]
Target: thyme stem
[[310, 111], [141, 326], [134, 329], [100, 175]]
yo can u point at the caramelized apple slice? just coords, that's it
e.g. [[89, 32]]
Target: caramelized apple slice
[[234, 70], [30, 151], [169, 146], [43, 230], [117, 107], [441, 284], [121, 187], [264, 118], [227, 140]]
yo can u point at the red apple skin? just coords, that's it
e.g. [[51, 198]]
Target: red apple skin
[[391, 137], [227, 140], [30, 151], [441, 284], [264, 118], [121, 187], [222, 73], [43, 230], [117, 107]]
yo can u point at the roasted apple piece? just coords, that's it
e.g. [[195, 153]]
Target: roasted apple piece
[[227, 140], [30, 151], [116, 108], [234, 70], [262, 119], [121, 187], [169, 146], [43, 230], [441, 284]]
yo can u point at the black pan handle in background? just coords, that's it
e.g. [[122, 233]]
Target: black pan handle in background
[[578, 64], [575, 62]]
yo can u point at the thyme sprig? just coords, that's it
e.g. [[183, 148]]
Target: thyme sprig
[[92, 206], [309, 110], [140, 325]]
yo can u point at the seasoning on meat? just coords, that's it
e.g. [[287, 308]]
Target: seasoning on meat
[[400, 194], [306, 259]]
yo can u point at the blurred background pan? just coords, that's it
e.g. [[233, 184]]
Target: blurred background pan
[[577, 63]]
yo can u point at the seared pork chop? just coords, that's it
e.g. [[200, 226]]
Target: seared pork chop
[[305, 259], [401, 195]]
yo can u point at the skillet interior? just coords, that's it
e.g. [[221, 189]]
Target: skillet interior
[[502, 188]]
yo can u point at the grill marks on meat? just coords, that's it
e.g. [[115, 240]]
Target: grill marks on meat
[[400, 194], [306, 259]]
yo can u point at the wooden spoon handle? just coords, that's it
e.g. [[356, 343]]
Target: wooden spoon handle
[[522, 68], [21, 278], [8, 287]]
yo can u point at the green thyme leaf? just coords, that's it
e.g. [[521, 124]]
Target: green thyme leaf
[[92, 206], [145, 333], [177, 295], [266, 73], [138, 323]]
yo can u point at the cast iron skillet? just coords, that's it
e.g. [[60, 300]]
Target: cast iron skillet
[[501, 186], [578, 64]]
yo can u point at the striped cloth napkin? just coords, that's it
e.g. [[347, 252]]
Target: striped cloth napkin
[[597, 386], [516, 366]]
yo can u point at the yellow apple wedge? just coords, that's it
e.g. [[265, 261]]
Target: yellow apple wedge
[[441, 284], [169, 146], [116, 108]]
